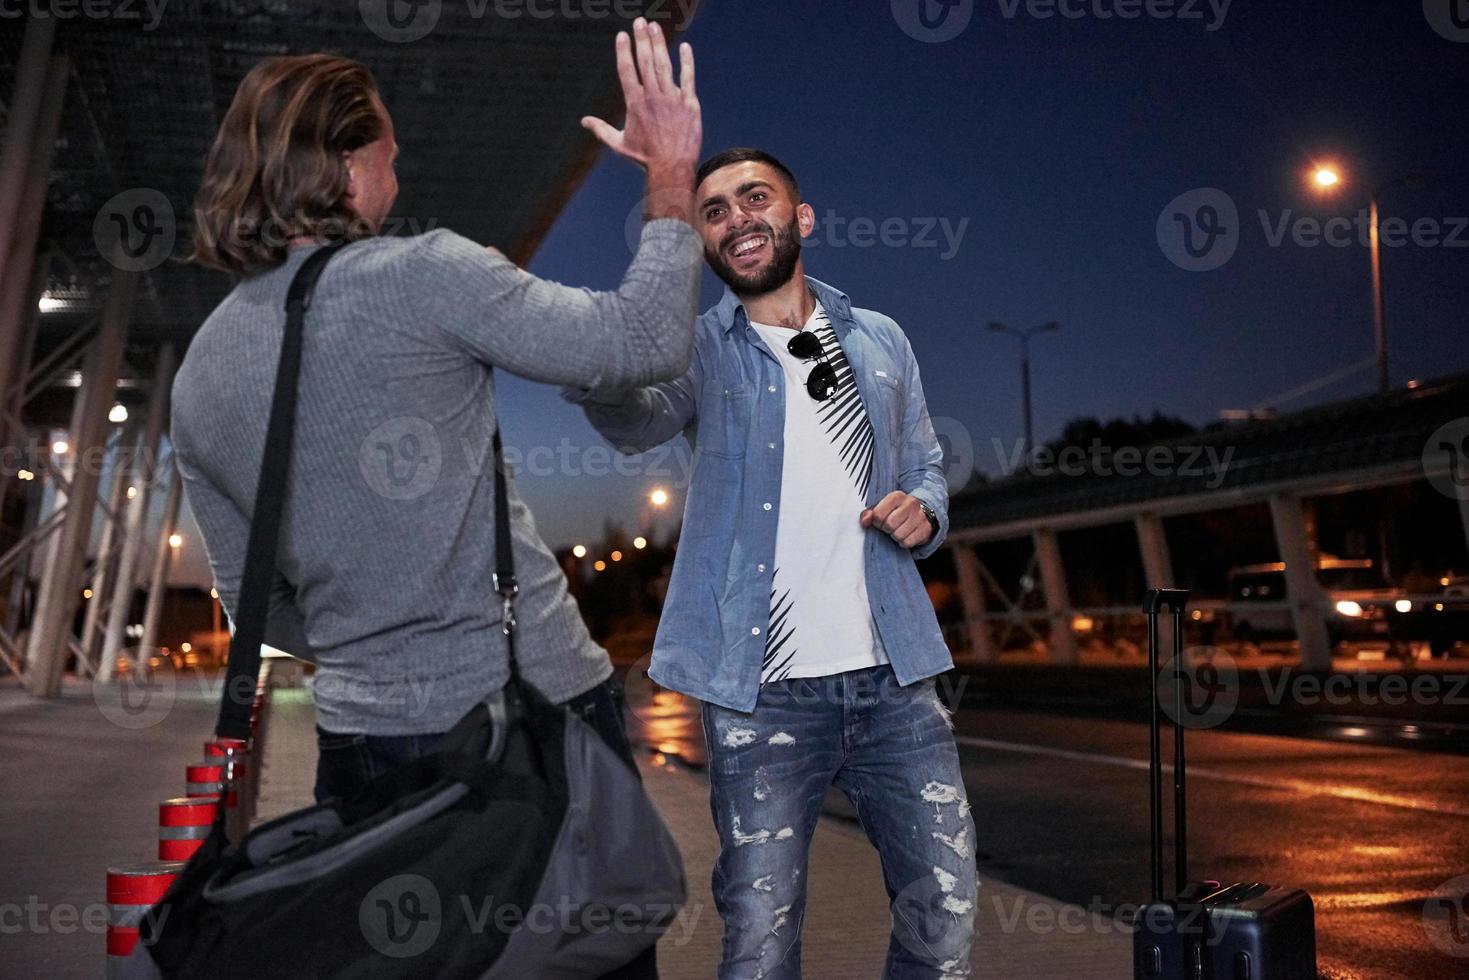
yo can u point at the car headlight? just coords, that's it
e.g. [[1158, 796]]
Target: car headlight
[[1403, 605], [1349, 607]]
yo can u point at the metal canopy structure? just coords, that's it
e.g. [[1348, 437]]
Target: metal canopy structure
[[1360, 444], [108, 105]]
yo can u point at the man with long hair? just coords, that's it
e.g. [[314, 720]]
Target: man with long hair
[[795, 611], [387, 547]]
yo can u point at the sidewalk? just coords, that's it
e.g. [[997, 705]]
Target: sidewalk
[[83, 778], [1020, 934]]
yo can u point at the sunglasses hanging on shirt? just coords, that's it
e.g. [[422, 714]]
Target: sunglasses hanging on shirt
[[822, 382]]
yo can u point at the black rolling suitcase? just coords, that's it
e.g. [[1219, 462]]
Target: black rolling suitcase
[[1208, 930]]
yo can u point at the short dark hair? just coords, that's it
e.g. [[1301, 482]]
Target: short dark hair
[[744, 154]]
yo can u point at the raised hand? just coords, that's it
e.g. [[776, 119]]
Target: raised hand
[[663, 124]]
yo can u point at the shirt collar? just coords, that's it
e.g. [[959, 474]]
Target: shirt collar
[[838, 306]]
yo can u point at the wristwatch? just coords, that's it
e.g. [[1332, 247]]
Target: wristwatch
[[933, 519]]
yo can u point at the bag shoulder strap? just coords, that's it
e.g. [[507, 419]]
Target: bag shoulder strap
[[270, 498]]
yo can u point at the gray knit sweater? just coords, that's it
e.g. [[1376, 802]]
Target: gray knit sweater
[[387, 545]]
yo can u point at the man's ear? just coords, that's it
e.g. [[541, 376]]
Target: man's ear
[[805, 219], [348, 159]]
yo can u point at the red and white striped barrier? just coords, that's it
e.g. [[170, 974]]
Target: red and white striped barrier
[[183, 824], [131, 890]]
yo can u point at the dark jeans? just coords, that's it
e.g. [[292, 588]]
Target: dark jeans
[[346, 762]]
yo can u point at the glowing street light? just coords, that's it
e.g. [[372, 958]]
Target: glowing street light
[[658, 497], [1327, 179], [118, 415], [640, 542], [580, 551], [175, 541], [60, 447], [600, 566], [616, 556]]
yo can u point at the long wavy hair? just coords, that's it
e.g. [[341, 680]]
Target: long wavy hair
[[276, 169]]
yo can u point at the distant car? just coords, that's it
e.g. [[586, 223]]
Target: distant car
[[1441, 621], [1357, 600]]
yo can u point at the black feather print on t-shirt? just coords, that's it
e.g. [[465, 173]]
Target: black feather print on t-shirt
[[843, 415]]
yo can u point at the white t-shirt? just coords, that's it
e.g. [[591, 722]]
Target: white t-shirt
[[820, 622]]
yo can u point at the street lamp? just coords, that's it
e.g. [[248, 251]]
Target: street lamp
[[1024, 336], [1327, 179]]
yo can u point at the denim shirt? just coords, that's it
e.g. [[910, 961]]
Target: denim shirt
[[731, 406]]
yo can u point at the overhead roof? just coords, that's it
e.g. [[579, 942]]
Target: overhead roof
[[486, 108]]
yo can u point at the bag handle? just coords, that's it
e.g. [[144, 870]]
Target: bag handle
[[1154, 602]]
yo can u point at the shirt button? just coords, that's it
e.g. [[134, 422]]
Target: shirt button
[[755, 631], [759, 568], [767, 505], [771, 389], [770, 445]]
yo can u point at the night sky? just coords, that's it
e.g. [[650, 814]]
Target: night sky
[[1023, 168]]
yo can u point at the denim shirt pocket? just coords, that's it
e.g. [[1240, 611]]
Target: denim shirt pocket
[[724, 418]]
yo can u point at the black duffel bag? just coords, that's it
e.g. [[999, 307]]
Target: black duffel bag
[[522, 847]]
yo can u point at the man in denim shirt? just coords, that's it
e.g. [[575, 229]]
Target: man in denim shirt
[[795, 611]]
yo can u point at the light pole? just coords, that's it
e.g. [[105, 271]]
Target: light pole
[[1328, 178], [1024, 336]]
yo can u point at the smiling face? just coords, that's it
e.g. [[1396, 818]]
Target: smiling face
[[752, 224]]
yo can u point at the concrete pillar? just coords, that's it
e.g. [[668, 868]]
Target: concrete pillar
[[60, 590], [24, 168], [1306, 597], [162, 561], [1152, 543], [1062, 642], [110, 541], [971, 595], [126, 580]]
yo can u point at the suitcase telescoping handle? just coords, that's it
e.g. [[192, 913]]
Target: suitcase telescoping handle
[[1174, 600]]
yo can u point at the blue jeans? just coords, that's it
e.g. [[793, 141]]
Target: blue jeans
[[891, 750]]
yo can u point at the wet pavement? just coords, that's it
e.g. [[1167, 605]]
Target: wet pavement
[[1378, 836]]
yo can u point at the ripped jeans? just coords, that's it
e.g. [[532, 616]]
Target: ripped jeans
[[890, 749]]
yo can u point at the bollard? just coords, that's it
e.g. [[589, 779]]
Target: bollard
[[183, 824], [131, 890], [243, 785], [207, 779]]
